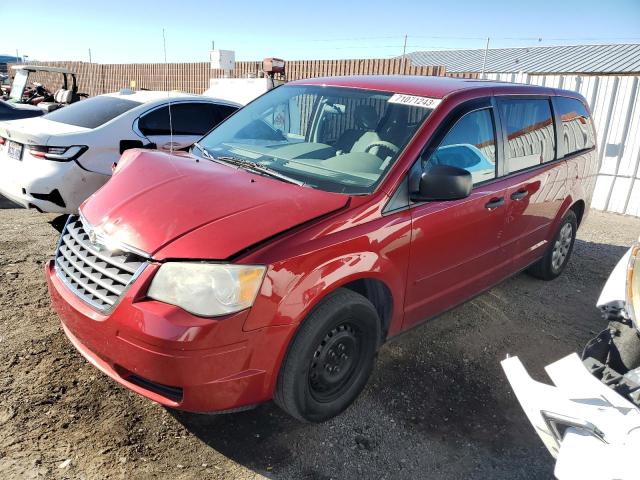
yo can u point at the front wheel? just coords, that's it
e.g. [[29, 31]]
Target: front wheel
[[557, 255], [330, 358]]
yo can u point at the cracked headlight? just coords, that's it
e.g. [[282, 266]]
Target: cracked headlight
[[207, 289], [633, 286]]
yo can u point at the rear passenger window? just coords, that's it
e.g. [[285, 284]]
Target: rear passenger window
[[191, 118], [470, 144], [577, 129], [186, 118], [530, 137], [219, 113]]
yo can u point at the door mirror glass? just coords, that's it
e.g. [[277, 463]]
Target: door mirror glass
[[443, 182]]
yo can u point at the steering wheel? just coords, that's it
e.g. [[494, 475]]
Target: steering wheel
[[388, 145]]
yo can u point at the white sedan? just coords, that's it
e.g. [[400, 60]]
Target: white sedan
[[53, 163]]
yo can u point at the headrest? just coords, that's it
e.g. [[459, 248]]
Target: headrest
[[366, 117], [63, 96]]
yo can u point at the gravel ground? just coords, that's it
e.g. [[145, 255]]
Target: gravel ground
[[437, 405]]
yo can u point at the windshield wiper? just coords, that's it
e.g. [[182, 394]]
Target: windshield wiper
[[247, 165], [204, 151], [256, 167]]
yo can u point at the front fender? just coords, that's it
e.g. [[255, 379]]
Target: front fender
[[287, 295], [378, 250]]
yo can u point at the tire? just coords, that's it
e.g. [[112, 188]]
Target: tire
[[330, 358], [557, 255]]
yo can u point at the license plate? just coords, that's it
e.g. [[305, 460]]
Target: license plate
[[14, 150]]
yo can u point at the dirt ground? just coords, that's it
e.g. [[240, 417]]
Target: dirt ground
[[437, 405]]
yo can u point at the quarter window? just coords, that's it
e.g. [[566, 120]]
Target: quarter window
[[471, 145], [530, 135], [577, 128]]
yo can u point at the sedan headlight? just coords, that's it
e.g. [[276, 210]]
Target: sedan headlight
[[207, 289], [633, 286]]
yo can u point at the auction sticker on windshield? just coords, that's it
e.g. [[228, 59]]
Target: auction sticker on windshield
[[414, 100]]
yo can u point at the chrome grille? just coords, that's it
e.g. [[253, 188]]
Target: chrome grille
[[97, 275]]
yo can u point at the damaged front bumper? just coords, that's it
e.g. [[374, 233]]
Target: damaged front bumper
[[590, 419], [592, 430]]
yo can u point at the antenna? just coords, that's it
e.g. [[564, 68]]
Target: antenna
[[484, 60], [166, 79], [404, 55]]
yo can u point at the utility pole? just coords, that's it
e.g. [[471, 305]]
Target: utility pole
[[404, 53], [17, 57], [484, 60], [89, 55]]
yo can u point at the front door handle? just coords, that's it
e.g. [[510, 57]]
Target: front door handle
[[494, 203], [519, 195]]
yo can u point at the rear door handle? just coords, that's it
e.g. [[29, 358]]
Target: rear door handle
[[494, 203], [519, 195]]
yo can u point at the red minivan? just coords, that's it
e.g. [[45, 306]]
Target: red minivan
[[325, 217]]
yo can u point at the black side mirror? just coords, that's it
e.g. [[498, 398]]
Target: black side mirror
[[129, 144], [443, 182]]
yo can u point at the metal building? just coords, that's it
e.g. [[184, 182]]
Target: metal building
[[608, 77]]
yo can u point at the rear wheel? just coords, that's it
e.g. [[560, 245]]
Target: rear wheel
[[559, 251], [330, 359]]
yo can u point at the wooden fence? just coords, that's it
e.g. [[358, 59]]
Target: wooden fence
[[472, 75], [94, 78]]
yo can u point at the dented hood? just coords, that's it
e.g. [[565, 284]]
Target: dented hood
[[177, 207]]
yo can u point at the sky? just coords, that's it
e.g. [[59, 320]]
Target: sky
[[129, 32]]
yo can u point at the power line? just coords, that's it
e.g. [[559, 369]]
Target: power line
[[449, 37], [398, 46]]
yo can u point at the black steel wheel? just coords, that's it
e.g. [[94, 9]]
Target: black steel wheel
[[330, 359], [335, 360]]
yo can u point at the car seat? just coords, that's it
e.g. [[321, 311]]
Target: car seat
[[61, 98], [357, 139]]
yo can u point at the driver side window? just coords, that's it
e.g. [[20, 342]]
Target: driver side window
[[471, 145]]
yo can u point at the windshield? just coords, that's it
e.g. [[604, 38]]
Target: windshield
[[92, 112], [335, 139], [18, 85]]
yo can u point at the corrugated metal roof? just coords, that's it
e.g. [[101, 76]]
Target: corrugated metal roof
[[613, 58]]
